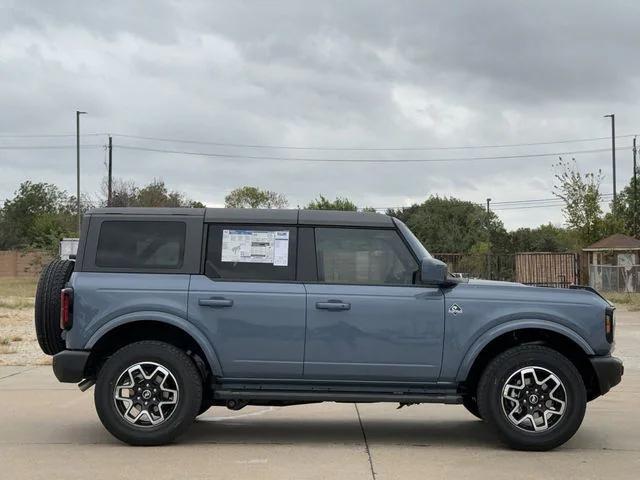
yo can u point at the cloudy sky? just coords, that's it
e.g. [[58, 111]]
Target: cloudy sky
[[373, 80]]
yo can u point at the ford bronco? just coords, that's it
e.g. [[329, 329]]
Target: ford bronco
[[171, 311]]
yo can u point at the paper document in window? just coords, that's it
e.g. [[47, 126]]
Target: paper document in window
[[255, 246]]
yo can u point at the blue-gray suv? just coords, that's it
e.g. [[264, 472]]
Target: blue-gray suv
[[171, 311]]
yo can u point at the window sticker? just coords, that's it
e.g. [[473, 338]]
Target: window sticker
[[254, 246]]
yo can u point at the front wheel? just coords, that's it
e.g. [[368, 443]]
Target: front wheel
[[534, 397], [148, 393]]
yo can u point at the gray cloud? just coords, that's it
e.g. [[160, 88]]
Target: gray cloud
[[331, 73]]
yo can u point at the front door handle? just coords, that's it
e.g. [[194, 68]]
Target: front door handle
[[334, 305], [215, 302]]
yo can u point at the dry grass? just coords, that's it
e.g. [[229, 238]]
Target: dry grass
[[18, 342], [22, 287], [630, 300], [16, 303], [17, 293], [7, 349]]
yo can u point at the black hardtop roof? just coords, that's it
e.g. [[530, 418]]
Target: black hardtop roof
[[261, 216]]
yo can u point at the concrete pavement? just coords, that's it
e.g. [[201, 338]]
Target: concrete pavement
[[50, 430]]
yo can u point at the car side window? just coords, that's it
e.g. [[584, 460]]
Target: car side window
[[141, 245], [363, 256], [251, 252]]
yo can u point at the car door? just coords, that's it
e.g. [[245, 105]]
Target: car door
[[248, 303], [366, 318]]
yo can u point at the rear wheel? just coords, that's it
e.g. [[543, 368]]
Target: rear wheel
[[207, 400], [471, 404], [148, 393], [534, 397]]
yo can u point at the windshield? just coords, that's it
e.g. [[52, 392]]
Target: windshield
[[416, 245]]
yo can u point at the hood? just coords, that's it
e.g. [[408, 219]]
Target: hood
[[497, 283], [519, 291]]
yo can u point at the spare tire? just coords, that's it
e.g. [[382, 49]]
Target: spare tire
[[47, 312]]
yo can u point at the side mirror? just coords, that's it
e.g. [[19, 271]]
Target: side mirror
[[434, 272]]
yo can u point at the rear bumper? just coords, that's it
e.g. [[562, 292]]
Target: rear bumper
[[609, 371], [69, 365]]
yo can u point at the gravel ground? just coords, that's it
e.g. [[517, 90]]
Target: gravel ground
[[18, 342]]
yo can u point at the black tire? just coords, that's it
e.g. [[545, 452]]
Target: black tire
[[187, 380], [207, 400], [47, 305], [471, 404], [498, 373]]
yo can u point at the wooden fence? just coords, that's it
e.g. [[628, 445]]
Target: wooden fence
[[14, 263], [532, 268], [547, 269]]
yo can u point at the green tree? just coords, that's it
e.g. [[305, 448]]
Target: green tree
[[449, 225], [340, 203], [323, 203], [545, 238], [254, 197], [581, 196], [626, 209], [155, 194], [38, 216]]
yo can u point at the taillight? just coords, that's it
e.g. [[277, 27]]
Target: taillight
[[66, 303], [609, 324]]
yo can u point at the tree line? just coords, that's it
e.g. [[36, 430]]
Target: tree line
[[40, 214]]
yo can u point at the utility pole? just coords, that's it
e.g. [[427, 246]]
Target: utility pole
[[613, 153], [488, 240], [635, 190], [78, 113], [110, 178]]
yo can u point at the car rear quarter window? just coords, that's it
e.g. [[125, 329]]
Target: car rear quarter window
[[141, 245], [363, 256], [251, 252]]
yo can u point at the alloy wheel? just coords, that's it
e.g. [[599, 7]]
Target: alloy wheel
[[534, 399], [146, 394]]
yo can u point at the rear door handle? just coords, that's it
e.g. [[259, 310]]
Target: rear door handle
[[215, 302], [334, 305]]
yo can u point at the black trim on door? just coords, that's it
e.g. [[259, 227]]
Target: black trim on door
[[307, 260]]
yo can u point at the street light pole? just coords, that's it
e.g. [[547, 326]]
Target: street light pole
[[488, 240], [78, 113], [109, 178], [635, 189], [613, 153]]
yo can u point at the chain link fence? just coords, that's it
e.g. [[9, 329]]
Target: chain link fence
[[610, 278]]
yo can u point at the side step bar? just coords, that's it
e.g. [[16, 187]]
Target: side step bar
[[333, 396]]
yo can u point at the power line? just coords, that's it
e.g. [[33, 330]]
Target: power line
[[48, 135], [514, 204], [356, 160], [44, 147], [329, 148], [541, 206], [541, 200], [417, 148]]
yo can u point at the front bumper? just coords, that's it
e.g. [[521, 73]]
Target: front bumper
[[69, 365], [609, 371]]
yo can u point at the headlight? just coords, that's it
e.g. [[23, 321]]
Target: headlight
[[609, 324]]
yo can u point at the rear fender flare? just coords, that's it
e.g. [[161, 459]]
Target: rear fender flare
[[167, 318]]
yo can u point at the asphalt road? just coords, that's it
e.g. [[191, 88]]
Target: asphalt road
[[50, 431]]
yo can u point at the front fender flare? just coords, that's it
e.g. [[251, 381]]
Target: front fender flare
[[495, 332], [162, 317]]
